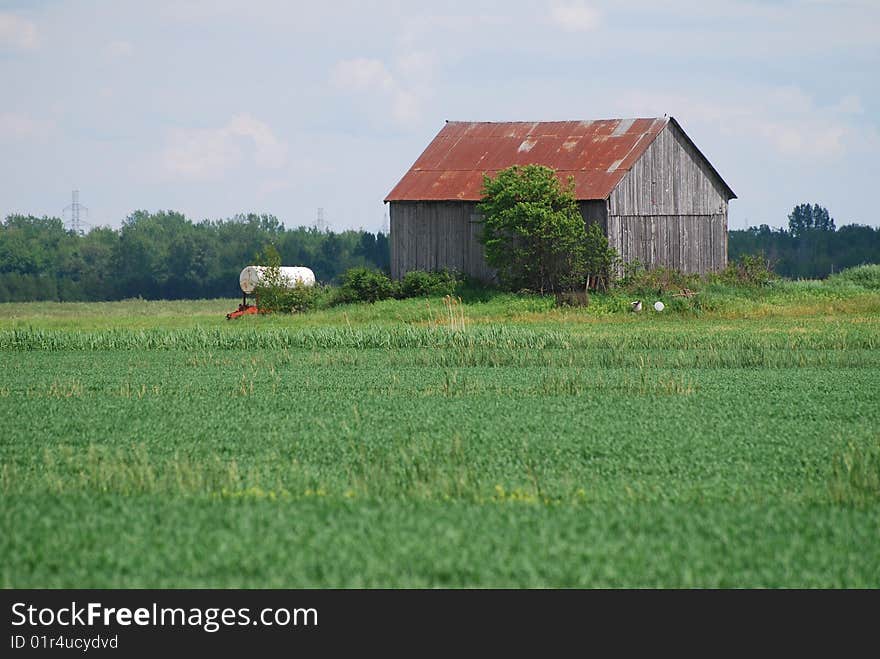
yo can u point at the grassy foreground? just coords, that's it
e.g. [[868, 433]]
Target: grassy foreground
[[156, 445]]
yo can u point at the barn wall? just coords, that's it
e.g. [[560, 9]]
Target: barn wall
[[595, 212], [690, 243], [435, 236], [670, 209]]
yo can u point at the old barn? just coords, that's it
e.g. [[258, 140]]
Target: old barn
[[658, 198]]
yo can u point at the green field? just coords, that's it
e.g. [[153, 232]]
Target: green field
[[150, 444]]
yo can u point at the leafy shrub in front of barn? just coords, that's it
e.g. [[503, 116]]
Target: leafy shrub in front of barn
[[749, 270], [365, 285], [535, 237], [533, 231], [657, 281], [600, 259], [419, 283]]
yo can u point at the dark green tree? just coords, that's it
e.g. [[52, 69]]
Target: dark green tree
[[382, 253], [533, 231], [809, 217]]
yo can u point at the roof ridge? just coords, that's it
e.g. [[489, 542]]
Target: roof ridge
[[555, 121]]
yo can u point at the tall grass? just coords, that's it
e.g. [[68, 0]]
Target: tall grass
[[839, 337]]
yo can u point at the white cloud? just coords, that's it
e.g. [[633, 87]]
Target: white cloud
[[362, 74], [785, 119], [116, 49], [576, 17], [14, 126], [850, 104], [451, 30], [199, 154], [815, 138], [273, 185], [269, 151], [209, 153], [17, 33], [405, 106], [372, 77], [273, 12], [415, 65], [294, 175], [790, 98]]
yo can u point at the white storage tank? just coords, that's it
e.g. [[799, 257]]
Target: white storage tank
[[252, 275]]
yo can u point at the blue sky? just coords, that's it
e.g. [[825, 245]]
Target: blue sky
[[225, 106]]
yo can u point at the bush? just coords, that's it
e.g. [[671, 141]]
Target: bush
[[533, 230], [418, 283], [658, 280], [276, 294], [365, 285], [288, 299], [748, 270], [600, 259], [866, 276]]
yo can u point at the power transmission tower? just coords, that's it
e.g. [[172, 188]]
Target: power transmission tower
[[320, 224], [75, 223]]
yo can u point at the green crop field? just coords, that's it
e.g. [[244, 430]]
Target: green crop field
[[150, 444]]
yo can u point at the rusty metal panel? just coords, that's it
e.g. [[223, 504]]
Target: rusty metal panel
[[597, 153]]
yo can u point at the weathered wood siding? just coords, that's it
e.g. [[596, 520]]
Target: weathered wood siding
[[690, 243], [671, 178], [432, 235], [670, 209]]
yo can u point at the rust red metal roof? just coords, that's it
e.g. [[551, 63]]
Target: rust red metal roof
[[597, 154]]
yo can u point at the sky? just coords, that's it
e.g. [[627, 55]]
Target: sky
[[219, 107]]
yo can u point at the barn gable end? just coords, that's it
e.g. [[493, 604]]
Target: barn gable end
[[671, 178], [671, 208]]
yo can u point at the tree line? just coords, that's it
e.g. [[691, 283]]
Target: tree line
[[812, 247], [164, 255]]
